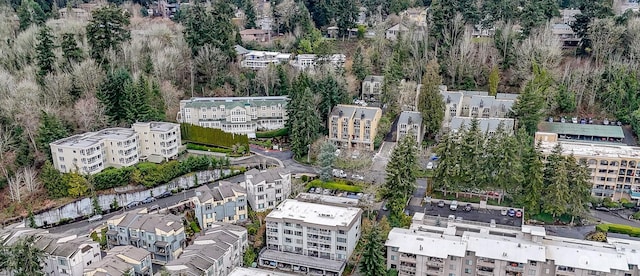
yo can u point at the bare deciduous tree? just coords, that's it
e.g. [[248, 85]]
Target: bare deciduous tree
[[57, 88], [606, 37], [30, 178], [210, 62], [171, 96], [89, 114], [541, 47], [15, 185], [88, 76]]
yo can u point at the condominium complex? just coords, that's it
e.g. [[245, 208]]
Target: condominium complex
[[310, 238], [122, 260], [91, 152], [266, 189], [478, 104], [372, 88], [215, 252], [162, 235], [352, 126], [262, 59], [460, 248], [410, 122], [240, 115], [614, 167], [226, 202], [63, 254]]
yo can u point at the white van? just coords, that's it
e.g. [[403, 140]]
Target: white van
[[454, 205]]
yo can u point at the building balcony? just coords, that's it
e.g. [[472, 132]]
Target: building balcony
[[435, 263], [485, 263], [484, 272], [431, 270], [407, 268], [405, 258], [514, 268]]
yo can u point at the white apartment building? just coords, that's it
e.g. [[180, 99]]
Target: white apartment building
[[158, 140], [91, 152], [216, 252], [262, 59], [240, 115], [461, 248], [410, 121], [310, 61], [266, 189], [310, 237]]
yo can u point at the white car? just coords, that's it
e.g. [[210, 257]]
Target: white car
[[357, 176], [95, 218], [454, 205], [430, 166]]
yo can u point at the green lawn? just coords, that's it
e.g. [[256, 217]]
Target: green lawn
[[333, 185]]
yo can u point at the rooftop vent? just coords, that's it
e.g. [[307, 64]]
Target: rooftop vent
[[481, 103], [448, 99], [362, 115], [340, 113], [410, 120]]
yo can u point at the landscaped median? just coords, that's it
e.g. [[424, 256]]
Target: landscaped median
[[619, 228], [333, 185]]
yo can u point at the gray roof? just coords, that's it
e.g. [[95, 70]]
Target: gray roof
[[240, 50], [268, 176], [224, 189], [405, 116], [351, 111], [486, 124], [111, 264], [130, 251], [506, 96], [231, 102], [151, 222], [451, 97], [372, 78]]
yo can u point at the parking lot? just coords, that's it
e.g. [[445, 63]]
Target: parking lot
[[480, 215]]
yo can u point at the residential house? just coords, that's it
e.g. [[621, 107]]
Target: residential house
[[480, 31], [262, 59], [416, 16], [310, 61], [372, 88], [410, 122], [565, 34], [310, 238], [74, 13], [159, 141], [362, 16], [240, 115], [266, 23], [614, 167], [226, 202], [91, 152], [352, 126], [63, 254], [266, 189], [258, 35], [162, 235], [215, 252], [395, 31], [622, 6], [464, 105], [568, 16], [432, 247], [122, 260], [486, 125]]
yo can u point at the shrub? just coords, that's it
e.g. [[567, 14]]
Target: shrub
[[339, 185], [212, 136], [636, 215], [192, 146], [273, 133], [597, 236], [194, 227], [619, 228]]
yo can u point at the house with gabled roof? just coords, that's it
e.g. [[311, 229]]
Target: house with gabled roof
[[224, 202]]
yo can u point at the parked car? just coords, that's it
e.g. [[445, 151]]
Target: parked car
[[312, 190], [153, 208], [165, 194], [518, 214], [95, 218], [603, 209], [133, 204], [430, 166], [384, 207], [148, 200], [454, 205], [574, 120], [512, 213], [357, 176], [468, 207], [605, 121], [504, 212], [441, 203]]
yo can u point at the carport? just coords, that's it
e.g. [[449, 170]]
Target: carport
[[584, 132]]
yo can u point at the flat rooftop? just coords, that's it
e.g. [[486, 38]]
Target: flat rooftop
[[585, 255], [91, 138], [315, 213], [588, 130], [579, 149], [426, 243], [328, 199], [245, 271], [159, 126]]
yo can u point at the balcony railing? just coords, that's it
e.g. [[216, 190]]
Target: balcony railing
[[435, 263], [482, 262], [484, 273], [511, 268]]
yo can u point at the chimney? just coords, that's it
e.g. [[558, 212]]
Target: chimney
[[448, 99], [481, 103], [362, 115], [410, 121], [340, 113]]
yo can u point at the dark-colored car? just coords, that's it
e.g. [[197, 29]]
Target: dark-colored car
[[518, 214], [468, 207], [148, 200], [604, 209], [165, 194], [512, 213], [133, 204], [441, 203]]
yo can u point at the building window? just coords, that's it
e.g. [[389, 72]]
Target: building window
[[452, 267], [393, 257], [261, 206], [230, 218], [208, 206], [467, 271], [260, 189], [278, 191], [453, 258], [532, 272], [469, 262], [342, 240], [241, 217]]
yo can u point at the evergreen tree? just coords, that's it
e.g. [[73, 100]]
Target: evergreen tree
[[430, 102], [202, 27], [448, 174], [346, 14], [401, 178], [326, 158], [78, 185], [494, 81], [53, 182], [529, 108], [333, 93], [107, 30], [472, 148], [44, 53], [566, 100], [23, 258], [579, 187], [530, 195], [51, 129], [372, 262], [250, 14], [360, 68], [29, 12], [305, 123], [71, 53], [112, 94], [556, 194], [97, 209], [147, 60], [282, 85]]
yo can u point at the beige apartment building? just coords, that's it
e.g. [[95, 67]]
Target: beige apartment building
[[240, 115], [410, 122], [352, 126], [479, 104], [459, 248], [614, 167], [91, 152], [226, 202]]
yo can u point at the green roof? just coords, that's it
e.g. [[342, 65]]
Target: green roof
[[582, 129]]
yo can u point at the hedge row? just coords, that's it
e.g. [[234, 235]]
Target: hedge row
[[151, 175], [273, 133], [619, 228], [212, 136], [339, 185], [208, 148]]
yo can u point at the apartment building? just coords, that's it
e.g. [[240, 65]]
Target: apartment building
[[461, 248], [486, 125], [410, 121], [266, 189], [372, 88], [310, 238], [216, 252], [262, 59], [92, 152], [464, 105], [63, 254], [248, 271], [122, 260], [226, 202], [310, 61], [352, 126], [162, 235], [614, 167], [159, 141], [240, 115]]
